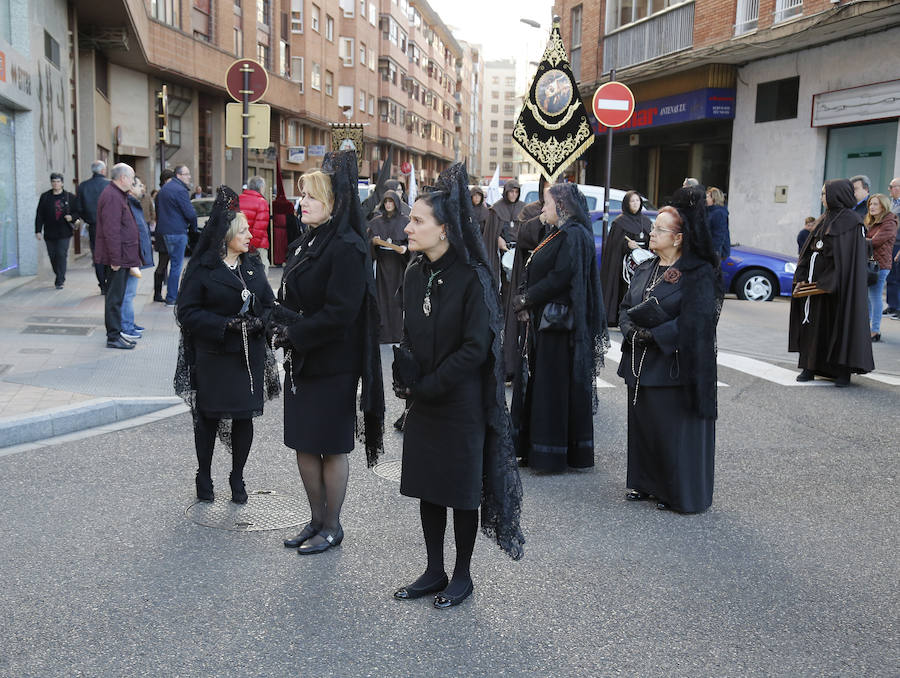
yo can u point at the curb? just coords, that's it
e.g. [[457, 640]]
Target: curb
[[73, 418]]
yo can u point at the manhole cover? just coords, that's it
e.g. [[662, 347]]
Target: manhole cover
[[58, 329], [59, 320], [390, 470], [264, 510]]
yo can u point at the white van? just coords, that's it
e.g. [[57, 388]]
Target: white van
[[593, 195]]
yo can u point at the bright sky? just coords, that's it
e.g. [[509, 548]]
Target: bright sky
[[495, 25]]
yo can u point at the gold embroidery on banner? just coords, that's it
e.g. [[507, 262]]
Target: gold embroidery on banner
[[537, 115], [556, 51], [552, 153]]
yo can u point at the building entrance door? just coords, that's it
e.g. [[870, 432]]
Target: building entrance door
[[9, 237], [862, 149]]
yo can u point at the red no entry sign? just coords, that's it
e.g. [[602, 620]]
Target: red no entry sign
[[613, 104], [258, 82]]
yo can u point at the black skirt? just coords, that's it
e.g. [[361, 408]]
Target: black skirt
[[671, 451], [320, 418], [443, 449]]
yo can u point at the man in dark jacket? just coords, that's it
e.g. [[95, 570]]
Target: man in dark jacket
[[117, 247], [88, 193], [54, 217], [175, 217], [861, 193], [162, 268]]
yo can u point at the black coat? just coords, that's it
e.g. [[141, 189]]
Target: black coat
[[51, 212], [207, 298], [88, 194], [326, 282], [634, 226], [389, 269], [443, 443]]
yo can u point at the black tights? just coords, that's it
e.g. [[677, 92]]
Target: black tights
[[465, 529], [205, 440], [325, 478]]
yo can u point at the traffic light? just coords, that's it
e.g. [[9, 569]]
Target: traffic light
[[162, 115]]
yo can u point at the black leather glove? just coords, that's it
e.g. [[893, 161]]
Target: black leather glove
[[642, 337], [255, 324], [282, 315], [401, 392], [519, 302], [405, 370], [233, 324], [280, 340]]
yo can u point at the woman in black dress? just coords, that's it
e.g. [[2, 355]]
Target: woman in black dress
[[629, 231], [225, 370], [391, 256], [327, 322], [668, 320], [457, 450], [555, 394]]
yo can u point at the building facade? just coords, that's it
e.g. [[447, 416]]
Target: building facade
[[764, 98]]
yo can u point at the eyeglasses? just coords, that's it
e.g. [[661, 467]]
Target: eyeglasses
[[661, 230]]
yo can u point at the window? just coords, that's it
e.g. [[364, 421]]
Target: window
[[362, 9], [297, 71], [373, 14], [362, 101], [777, 99], [575, 43], [372, 59], [495, 94], [371, 104], [493, 136], [493, 152], [493, 123], [507, 139], [785, 9], [166, 11], [238, 42], [296, 16], [329, 83], [51, 49], [347, 7], [263, 55], [507, 124], [345, 98], [284, 59], [346, 51], [509, 109], [746, 17], [314, 18], [495, 80], [507, 152], [622, 12], [509, 96], [510, 82], [101, 73], [507, 167], [316, 77], [329, 28], [362, 53], [262, 12]]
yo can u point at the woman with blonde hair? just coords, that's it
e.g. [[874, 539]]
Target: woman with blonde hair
[[717, 218], [881, 232]]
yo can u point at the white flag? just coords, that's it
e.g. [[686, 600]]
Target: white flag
[[413, 189], [493, 192]]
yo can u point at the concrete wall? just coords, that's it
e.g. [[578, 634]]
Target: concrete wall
[[790, 152], [130, 109]]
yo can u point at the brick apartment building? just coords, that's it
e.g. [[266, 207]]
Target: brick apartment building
[[78, 81], [763, 98]]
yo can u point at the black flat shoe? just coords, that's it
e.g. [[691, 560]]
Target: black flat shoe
[[238, 491], [401, 421], [411, 591], [330, 540], [842, 382], [636, 495], [663, 506], [806, 375], [307, 533], [442, 601], [876, 337], [204, 487]]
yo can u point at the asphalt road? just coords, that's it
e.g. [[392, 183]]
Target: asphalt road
[[792, 572]]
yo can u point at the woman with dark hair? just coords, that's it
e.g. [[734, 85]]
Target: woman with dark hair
[[668, 320], [457, 450], [829, 322], [881, 232], [555, 393], [327, 322], [389, 250], [225, 371], [628, 232]]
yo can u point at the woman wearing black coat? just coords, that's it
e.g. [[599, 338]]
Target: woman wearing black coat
[[554, 396], [457, 450], [327, 322], [668, 320], [223, 304], [629, 231]]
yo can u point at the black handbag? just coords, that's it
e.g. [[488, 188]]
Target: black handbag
[[872, 269], [556, 318], [648, 313]]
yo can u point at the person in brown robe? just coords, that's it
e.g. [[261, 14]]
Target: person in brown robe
[[389, 250], [502, 225], [630, 230]]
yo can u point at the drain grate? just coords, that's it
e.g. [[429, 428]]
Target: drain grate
[[35, 351], [67, 330], [264, 510], [59, 320], [389, 470]]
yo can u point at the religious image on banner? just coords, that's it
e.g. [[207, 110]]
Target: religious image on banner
[[348, 137], [553, 128]]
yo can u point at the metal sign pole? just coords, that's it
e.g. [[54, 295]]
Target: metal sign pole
[[606, 186], [245, 118]]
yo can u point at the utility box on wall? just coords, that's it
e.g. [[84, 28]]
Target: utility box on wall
[[781, 193]]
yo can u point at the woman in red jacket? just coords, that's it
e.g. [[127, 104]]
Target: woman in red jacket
[[881, 231], [256, 208]]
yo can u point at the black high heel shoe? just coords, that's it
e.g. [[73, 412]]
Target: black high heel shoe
[[413, 591], [204, 485], [238, 491], [636, 495], [331, 539], [307, 532], [444, 600]]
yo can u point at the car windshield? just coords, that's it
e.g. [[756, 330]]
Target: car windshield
[[202, 207], [531, 196]]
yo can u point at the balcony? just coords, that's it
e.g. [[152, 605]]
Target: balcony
[[747, 17], [664, 33]]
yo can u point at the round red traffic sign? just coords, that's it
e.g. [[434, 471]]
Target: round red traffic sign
[[257, 85], [406, 168], [613, 104]]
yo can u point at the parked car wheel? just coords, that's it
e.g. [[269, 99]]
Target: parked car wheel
[[756, 285]]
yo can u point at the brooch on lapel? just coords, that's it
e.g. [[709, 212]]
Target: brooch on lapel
[[672, 276]]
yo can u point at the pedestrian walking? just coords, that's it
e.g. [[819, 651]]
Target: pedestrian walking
[[629, 231], [502, 226], [88, 193], [53, 221], [256, 208], [225, 369], [117, 248], [829, 317], [892, 283], [554, 394], [327, 322], [161, 272], [131, 330], [802, 236], [881, 234], [175, 219], [668, 320], [717, 218], [389, 250], [457, 450]]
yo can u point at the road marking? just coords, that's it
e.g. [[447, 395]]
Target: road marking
[[883, 378], [604, 384], [764, 370]]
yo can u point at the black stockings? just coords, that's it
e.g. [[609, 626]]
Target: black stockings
[[325, 478], [205, 440], [465, 529]]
